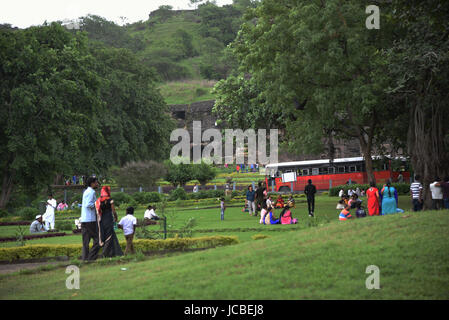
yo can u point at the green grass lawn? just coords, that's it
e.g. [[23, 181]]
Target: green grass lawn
[[325, 262], [207, 219]]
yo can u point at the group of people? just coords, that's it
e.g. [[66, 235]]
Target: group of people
[[259, 201], [99, 219], [248, 168]]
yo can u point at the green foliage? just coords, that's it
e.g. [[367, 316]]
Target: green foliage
[[74, 250], [139, 174], [65, 225], [178, 174], [3, 213], [259, 236], [121, 197], [178, 193], [147, 197], [203, 172], [28, 213]]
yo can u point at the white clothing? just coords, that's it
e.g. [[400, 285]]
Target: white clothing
[[437, 193], [195, 189], [49, 215], [127, 222], [341, 193], [269, 203], [149, 214]]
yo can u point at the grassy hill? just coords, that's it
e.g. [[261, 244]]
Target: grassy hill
[[185, 47], [327, 262]]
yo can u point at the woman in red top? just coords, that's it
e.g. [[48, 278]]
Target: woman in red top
[[373, 200]]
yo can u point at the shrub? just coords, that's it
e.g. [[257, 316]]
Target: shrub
[[28, 213], [259, 236], [147, 197], [74, 250], [65, 225], [121, 197], [178, 193], [3, 213]]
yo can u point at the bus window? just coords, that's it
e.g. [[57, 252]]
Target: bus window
[[331, 170], [359, 168], [315, 171], [305, 172], [323, 170], [341, 169], [352, 169]]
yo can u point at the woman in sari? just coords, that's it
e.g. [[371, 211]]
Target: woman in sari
[[106, 216], [286, 216], [373, 200], [389, 199]]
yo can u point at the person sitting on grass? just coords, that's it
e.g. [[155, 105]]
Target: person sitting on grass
[[360, 211], [279, 202], [354, 201], [37, 226], [286, 216], [270, 218], [128, 224], [291, 202], [345, 214], [150, 214]]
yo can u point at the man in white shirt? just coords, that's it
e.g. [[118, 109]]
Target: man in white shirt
[[49, 215], [195, 188], [150, 214], [128, 224], [437, 194]]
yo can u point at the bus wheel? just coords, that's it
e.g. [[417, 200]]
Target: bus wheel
[[284, 189]]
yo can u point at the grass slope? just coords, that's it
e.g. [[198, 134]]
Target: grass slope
[[327, 262]]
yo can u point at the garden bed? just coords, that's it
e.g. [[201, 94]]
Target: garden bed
[[34, 236]]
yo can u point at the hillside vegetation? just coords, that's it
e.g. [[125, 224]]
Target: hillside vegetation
[[185, 47]]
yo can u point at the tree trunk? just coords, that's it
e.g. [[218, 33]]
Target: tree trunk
[[366, 146], [7, 186]]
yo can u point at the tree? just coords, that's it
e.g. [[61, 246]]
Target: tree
[[136, 125], [314, 64], [419, 66], [178, 174], [203, 172], [139, 173], [49, 106]]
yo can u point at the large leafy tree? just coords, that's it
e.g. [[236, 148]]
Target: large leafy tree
[[419, 65], [136, 123], [49, 106], [315, 66]]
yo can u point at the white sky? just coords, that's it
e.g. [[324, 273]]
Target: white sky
[[25, 13]]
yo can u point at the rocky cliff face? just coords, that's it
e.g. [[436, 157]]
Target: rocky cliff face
[[185, 114]]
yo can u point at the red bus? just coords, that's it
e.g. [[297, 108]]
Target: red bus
[[293, 176]]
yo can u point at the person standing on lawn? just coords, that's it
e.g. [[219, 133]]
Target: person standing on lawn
[[89, 225], [445, 188], [107, 216], [223, 208], [128, 224], [260, 197], [310, 191], [250, 197], [416, 194], [437, 194], [49, 215], [373, 200]]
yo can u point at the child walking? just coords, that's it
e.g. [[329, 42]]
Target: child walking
[[128, 224], [223, 207]]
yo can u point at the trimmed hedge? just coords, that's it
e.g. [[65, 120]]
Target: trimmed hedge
[[402, 188], [74, 250]]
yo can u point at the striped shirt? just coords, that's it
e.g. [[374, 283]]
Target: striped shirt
[[415, 189]]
